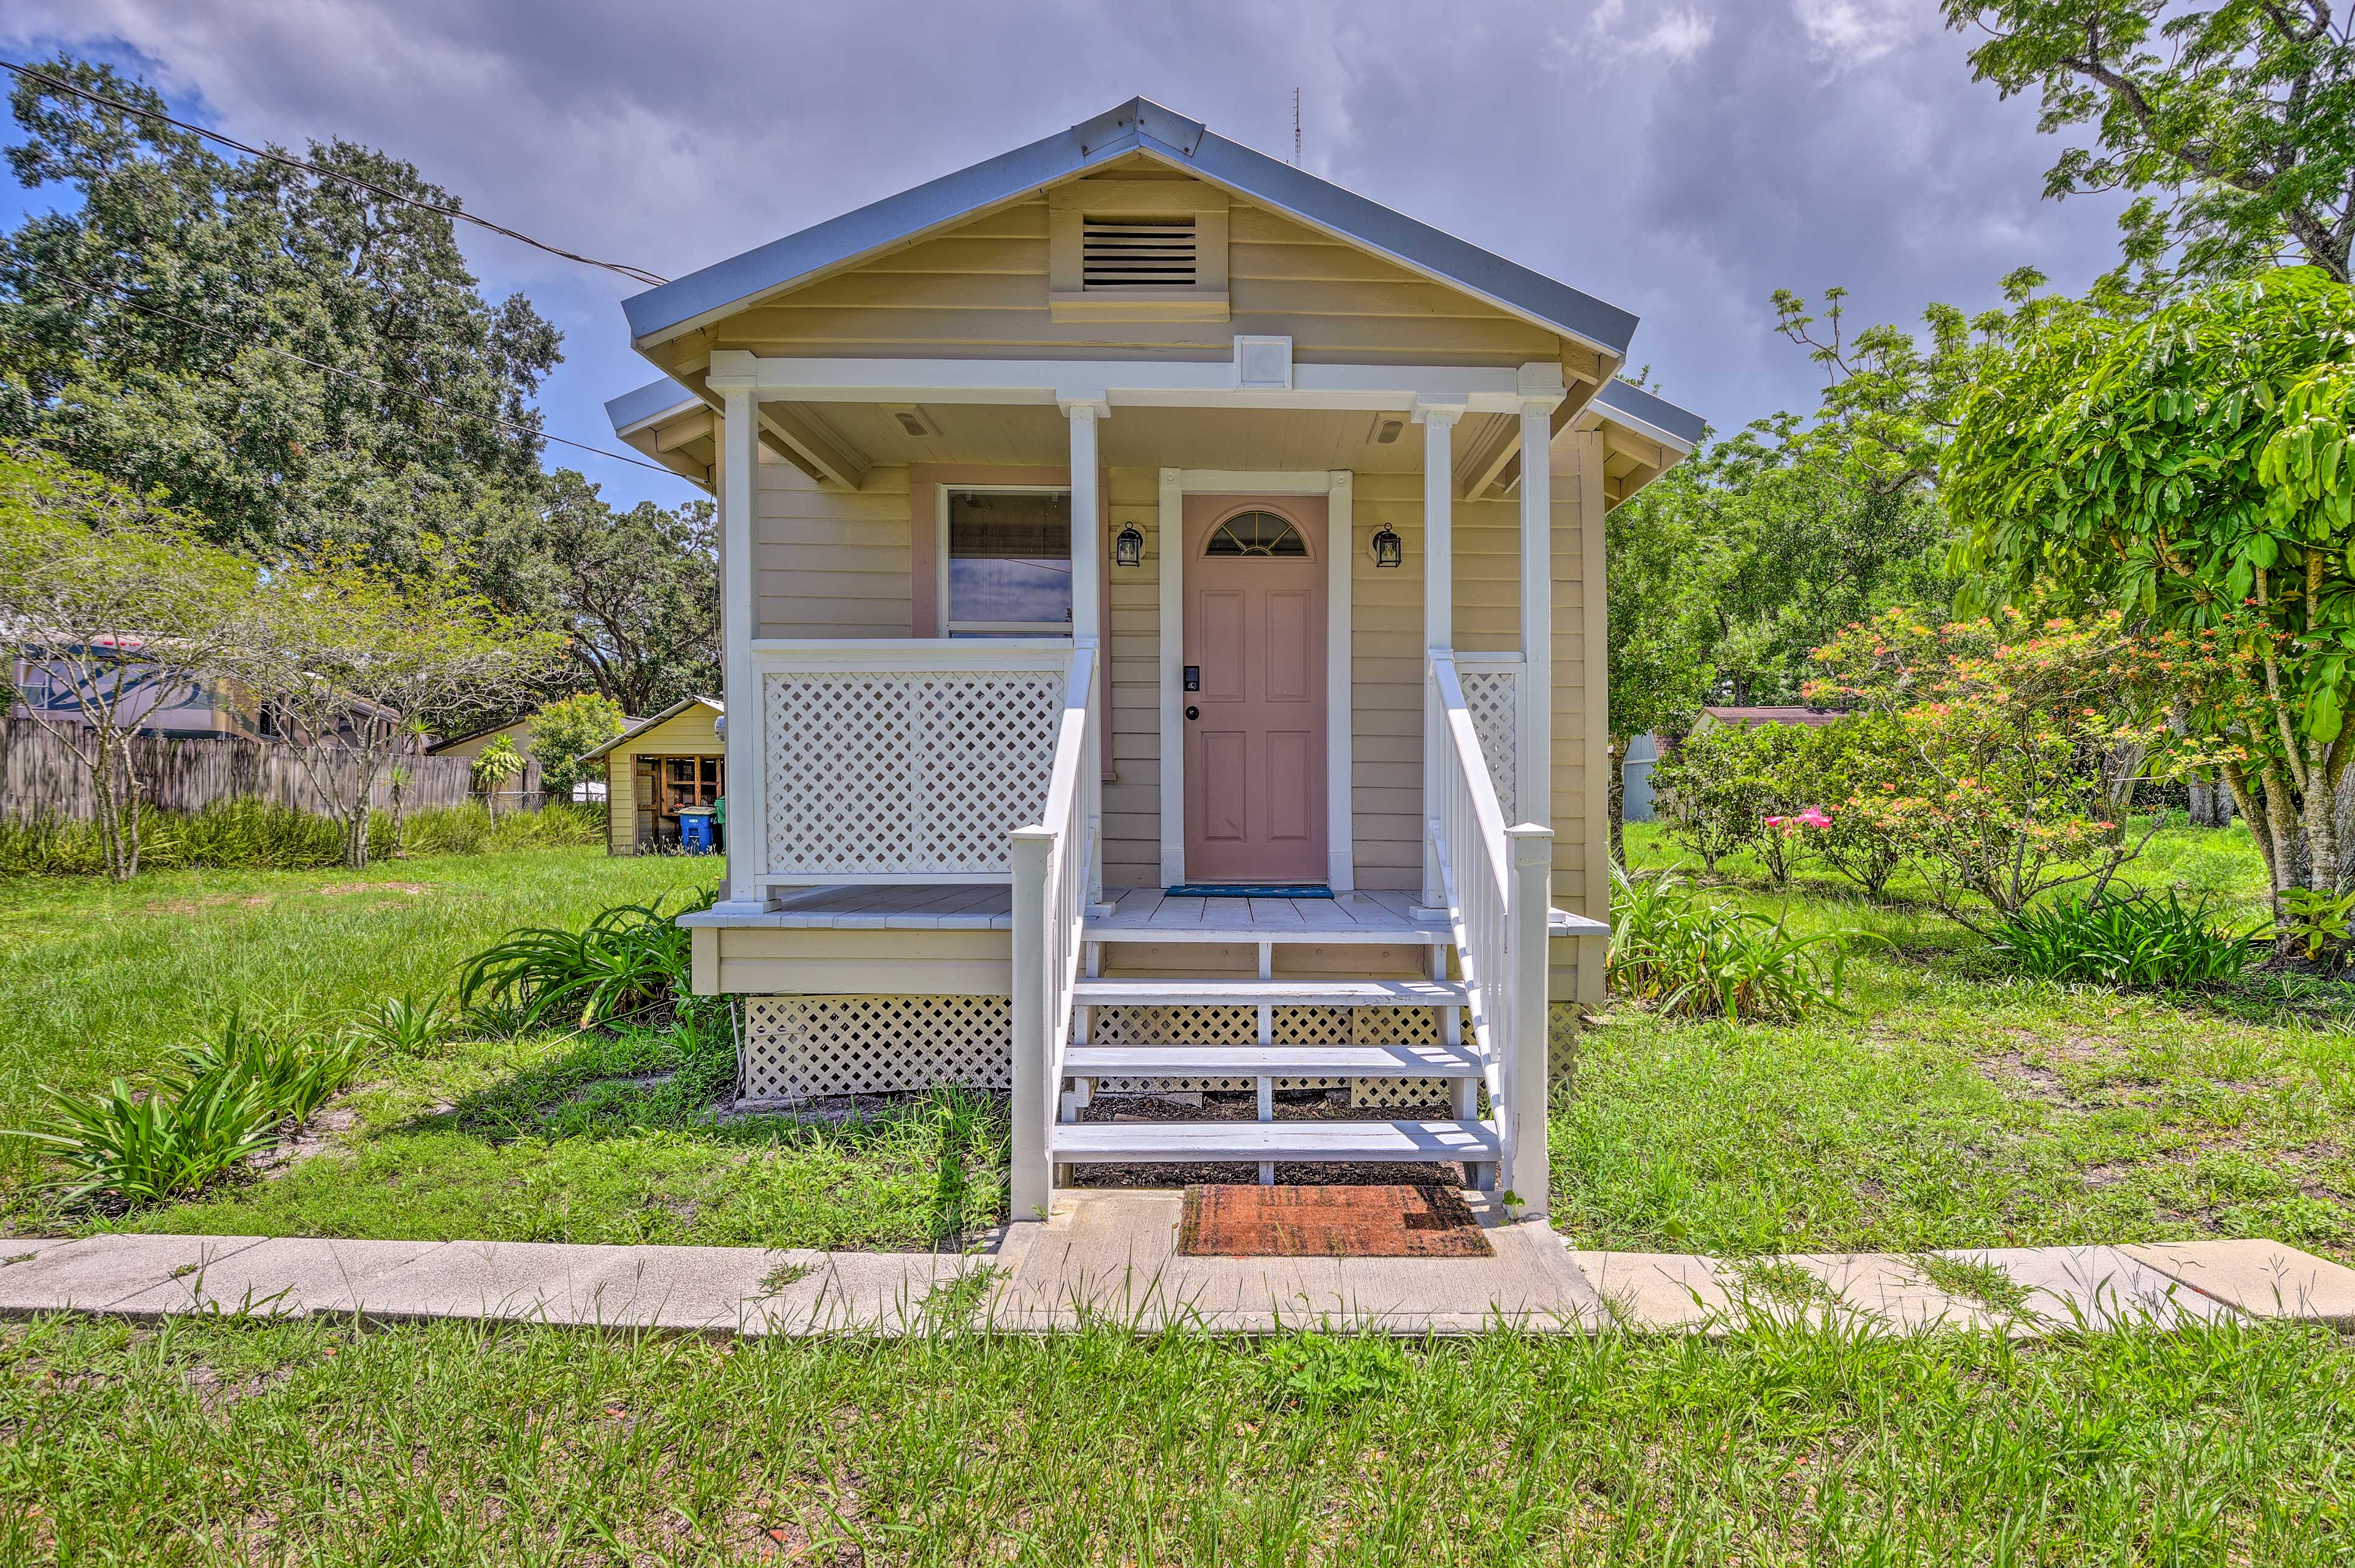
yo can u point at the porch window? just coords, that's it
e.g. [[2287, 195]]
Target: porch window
[[1007, 562]]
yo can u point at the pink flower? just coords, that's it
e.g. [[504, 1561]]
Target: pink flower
[[1814, 817]]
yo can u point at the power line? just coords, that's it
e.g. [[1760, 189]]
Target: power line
[[635, 275], [103, 291]]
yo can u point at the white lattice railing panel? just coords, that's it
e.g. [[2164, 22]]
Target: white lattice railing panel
[[801, 1048], [904, 773], [1492, 698]]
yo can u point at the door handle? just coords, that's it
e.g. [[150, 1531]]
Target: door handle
[[1192, 711]]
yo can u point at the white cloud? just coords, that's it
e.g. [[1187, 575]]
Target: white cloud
[[1676, 36], [1851, 33]]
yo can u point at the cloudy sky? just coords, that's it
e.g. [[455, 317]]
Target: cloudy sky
[[1680, 160]]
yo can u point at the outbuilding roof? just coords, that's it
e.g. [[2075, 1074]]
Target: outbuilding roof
[[1143, 126], [640, 727]]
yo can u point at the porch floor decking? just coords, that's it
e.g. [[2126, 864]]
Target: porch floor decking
[[1137, 914]]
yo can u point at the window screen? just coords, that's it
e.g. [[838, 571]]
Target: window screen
[[1010, 562]]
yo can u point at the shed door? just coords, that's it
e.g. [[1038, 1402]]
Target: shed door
[[1254, 640]]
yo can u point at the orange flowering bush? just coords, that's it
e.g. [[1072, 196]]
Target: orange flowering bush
[[2020, 738]]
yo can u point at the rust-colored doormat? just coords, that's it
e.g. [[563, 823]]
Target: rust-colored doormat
[[1237, 1221]]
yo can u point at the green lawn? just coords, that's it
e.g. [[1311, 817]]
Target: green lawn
[[549, 1138], [1953, 1105], [222, 1442]]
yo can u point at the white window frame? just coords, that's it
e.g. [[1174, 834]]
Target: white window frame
[[950, 627]]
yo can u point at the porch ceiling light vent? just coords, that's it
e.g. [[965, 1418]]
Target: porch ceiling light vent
[[1387, 429], [914, 421], [1138, 253]]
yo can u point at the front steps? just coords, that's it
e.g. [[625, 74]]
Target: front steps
[[1267, 1142]]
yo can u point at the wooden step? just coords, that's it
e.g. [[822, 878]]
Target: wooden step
[[1282, 993], [1270, 1062], [1154, 1143]]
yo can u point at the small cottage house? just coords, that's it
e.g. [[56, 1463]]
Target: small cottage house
[[1163, 625]]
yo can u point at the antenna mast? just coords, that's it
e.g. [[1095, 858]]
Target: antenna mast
[[1295, 127]]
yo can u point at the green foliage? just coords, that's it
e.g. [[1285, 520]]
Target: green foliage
[[139, 1148], [227, 1100], [1690, 958], [406, 448], [496, 765], [961, 1122], [2136, 939], [2315, 921], [1718, 786], [403, 1026], [564, 728], [626, 962], [1833, 765], [2240, 116], [1330, 1372], [635, 594], [2191, 467], [2022, 739], [246, 834], [1662, 562]]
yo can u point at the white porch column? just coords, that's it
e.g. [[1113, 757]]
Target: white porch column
[[1542, 391], [732, 377], [1438, 422], [1087, 594]]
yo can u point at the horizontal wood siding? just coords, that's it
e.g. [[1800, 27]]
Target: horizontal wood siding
[[832, 563], [981, 291], [1131, 798]]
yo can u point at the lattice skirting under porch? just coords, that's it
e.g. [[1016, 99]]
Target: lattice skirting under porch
[[803, 1048]]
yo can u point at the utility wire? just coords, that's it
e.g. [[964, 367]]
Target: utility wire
[[97, 291], [58, 84]]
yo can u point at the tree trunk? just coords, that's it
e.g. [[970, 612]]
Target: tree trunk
[[1615, 753]]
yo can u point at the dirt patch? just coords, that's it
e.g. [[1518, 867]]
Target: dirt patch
[[310, 1138], [218, 901], [341, 888]]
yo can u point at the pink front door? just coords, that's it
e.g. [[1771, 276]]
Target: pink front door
[[1254, 639]]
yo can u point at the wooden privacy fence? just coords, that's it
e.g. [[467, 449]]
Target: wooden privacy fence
[[40, 775]]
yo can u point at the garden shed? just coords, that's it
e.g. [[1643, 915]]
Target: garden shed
[[674, 761]]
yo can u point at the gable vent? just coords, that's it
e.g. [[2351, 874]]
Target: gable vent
[[1138, 253]]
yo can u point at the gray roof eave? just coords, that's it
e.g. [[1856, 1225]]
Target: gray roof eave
[[651, 401], [1138, 125], [1625, 403]]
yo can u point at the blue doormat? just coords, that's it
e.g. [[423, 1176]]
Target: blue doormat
[[1250, 890]]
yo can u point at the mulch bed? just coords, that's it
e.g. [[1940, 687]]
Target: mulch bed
[[1403, 1221]]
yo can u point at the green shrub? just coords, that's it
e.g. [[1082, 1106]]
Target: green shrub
[[229, 1099], [1686, 957], [628, 962], [406, 1027], [250, 834], [1719, 786], [2134, 939], [1834, 764]]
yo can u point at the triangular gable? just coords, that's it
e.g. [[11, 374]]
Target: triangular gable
[[1136, 128]]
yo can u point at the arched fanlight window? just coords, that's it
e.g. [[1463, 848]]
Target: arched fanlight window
[[1256, 533]]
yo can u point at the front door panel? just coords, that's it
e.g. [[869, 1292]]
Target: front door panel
[[1254, 606]]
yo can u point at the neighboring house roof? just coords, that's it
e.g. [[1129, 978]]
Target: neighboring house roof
[[640, 726], [1751, 718], [1137, 126], [513, 726]]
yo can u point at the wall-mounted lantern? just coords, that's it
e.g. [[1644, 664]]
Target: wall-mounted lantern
[[1388, 550], [1128, 549]]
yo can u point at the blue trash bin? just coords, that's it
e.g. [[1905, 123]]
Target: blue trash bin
[[694, 830]]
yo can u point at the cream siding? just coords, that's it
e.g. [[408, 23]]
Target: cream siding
[[982, 291]]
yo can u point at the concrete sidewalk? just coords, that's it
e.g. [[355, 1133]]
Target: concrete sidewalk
[[1112, 1257]]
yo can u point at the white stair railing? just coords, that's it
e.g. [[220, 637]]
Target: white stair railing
[[1496, 882], [1054, 873]]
